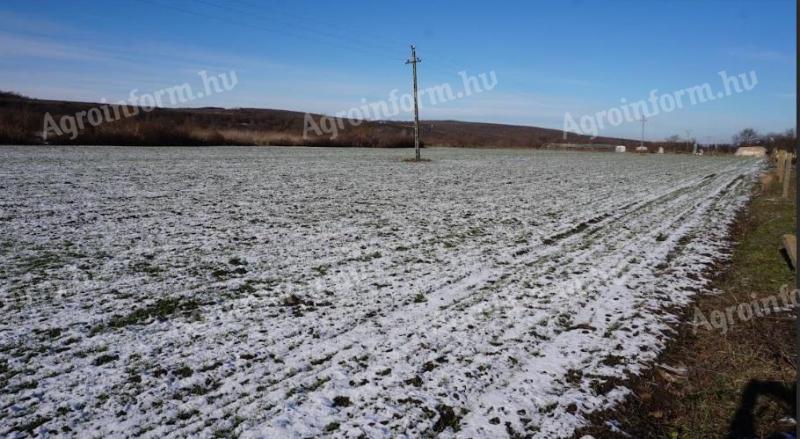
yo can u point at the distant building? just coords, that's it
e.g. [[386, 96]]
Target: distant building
[[642, 149], [661, 150], [751, 151], [620, 148]]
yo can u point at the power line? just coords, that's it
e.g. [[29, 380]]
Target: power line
[[307, 33], [353, 44], [379, 43], [371, 38], [290, 29], [282, 32]]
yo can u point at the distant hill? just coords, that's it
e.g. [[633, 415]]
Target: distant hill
[[23, 120]]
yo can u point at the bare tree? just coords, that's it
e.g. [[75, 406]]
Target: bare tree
[[747, 136], [785, 140]]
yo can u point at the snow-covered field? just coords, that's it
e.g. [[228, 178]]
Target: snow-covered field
[[277, 292]]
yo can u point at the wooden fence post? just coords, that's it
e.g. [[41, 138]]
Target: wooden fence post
[[787, 174]]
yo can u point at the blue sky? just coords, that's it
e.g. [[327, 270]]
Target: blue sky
[[550, 57]]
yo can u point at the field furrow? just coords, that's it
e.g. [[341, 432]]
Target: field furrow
[[294, 292]]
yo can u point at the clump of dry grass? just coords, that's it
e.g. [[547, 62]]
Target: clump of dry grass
[[259, 138]]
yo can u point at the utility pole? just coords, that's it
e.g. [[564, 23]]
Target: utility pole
[[643, 120], [413, 61]]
